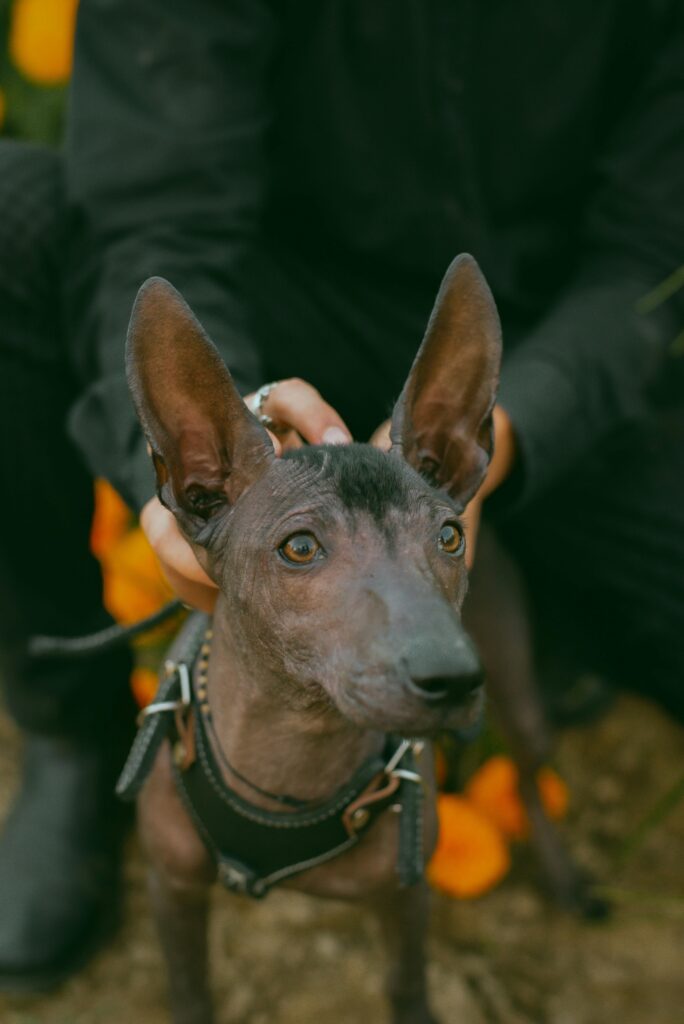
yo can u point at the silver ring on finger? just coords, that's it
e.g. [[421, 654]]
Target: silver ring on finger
[[256, 407]]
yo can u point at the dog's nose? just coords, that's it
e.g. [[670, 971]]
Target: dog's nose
[[448, 690], [443, 669]]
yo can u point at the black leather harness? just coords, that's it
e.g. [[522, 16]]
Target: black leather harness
[[254, 849]]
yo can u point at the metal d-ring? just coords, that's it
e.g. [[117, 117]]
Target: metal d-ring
[[404, 773], [171, 668], [396, 757], [392, 766]]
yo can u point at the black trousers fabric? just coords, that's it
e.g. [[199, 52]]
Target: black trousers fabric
[[607, 545], [49, 581], [603, 553]]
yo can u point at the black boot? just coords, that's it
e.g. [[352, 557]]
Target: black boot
[[60, 858]]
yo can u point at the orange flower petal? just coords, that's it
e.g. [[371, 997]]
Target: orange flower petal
[[554, 793], [111, 520], [41, 39], [144, 683], [493, 789], [134, 586], [471, 855]]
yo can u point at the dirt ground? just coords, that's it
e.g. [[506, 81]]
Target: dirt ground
[[508, 958]]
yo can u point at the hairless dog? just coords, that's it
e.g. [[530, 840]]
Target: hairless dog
[[338, 625]]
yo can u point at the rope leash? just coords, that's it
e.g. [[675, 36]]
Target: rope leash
[[106, 639]]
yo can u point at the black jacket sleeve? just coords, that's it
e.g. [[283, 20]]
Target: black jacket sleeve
[[165, 171], [587, 367]]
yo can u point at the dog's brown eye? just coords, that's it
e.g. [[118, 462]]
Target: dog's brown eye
[[451, 538], [300, 548]]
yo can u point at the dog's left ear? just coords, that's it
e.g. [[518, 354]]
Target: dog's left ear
[[206, 446], [442, 422]]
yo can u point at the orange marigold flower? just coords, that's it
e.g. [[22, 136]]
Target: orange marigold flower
[[134, 586], [41, 39], [493, 789], [144, 683], [554, 793], [111, 520], [471, 854]]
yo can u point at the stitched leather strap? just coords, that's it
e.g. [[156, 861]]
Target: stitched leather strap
[[411, 863], [150, 736], [156, 727]]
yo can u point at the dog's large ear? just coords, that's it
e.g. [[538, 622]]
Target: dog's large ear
[[442, 422], [206, 445]]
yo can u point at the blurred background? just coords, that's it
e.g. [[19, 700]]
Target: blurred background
[[35, 66], [500, 952]]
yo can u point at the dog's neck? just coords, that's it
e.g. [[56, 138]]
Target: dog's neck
[[304, 753]]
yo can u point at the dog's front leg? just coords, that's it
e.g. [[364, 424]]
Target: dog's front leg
[[181, 875], [403, 916], [181, 916]]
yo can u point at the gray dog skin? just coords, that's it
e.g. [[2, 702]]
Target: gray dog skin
[[313, 663]]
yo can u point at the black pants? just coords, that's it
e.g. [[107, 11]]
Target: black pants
[[49, 582], [606, 545]]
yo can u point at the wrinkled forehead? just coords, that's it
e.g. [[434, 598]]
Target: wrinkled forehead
[[351, 480]]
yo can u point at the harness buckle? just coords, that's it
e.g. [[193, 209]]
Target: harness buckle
[[392, 766], [171, 668], [239, 878], [393, 769]]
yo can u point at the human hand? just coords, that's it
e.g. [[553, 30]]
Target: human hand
[[300, 413], [176, 557], [500, 467]]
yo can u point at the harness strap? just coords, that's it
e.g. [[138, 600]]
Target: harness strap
[[265, 853], [157, 719], [254, 848], [411, 863]]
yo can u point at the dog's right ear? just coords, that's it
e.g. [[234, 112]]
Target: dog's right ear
[[206, 446]]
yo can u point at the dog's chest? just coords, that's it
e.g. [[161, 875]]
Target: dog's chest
[[371, 866]]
